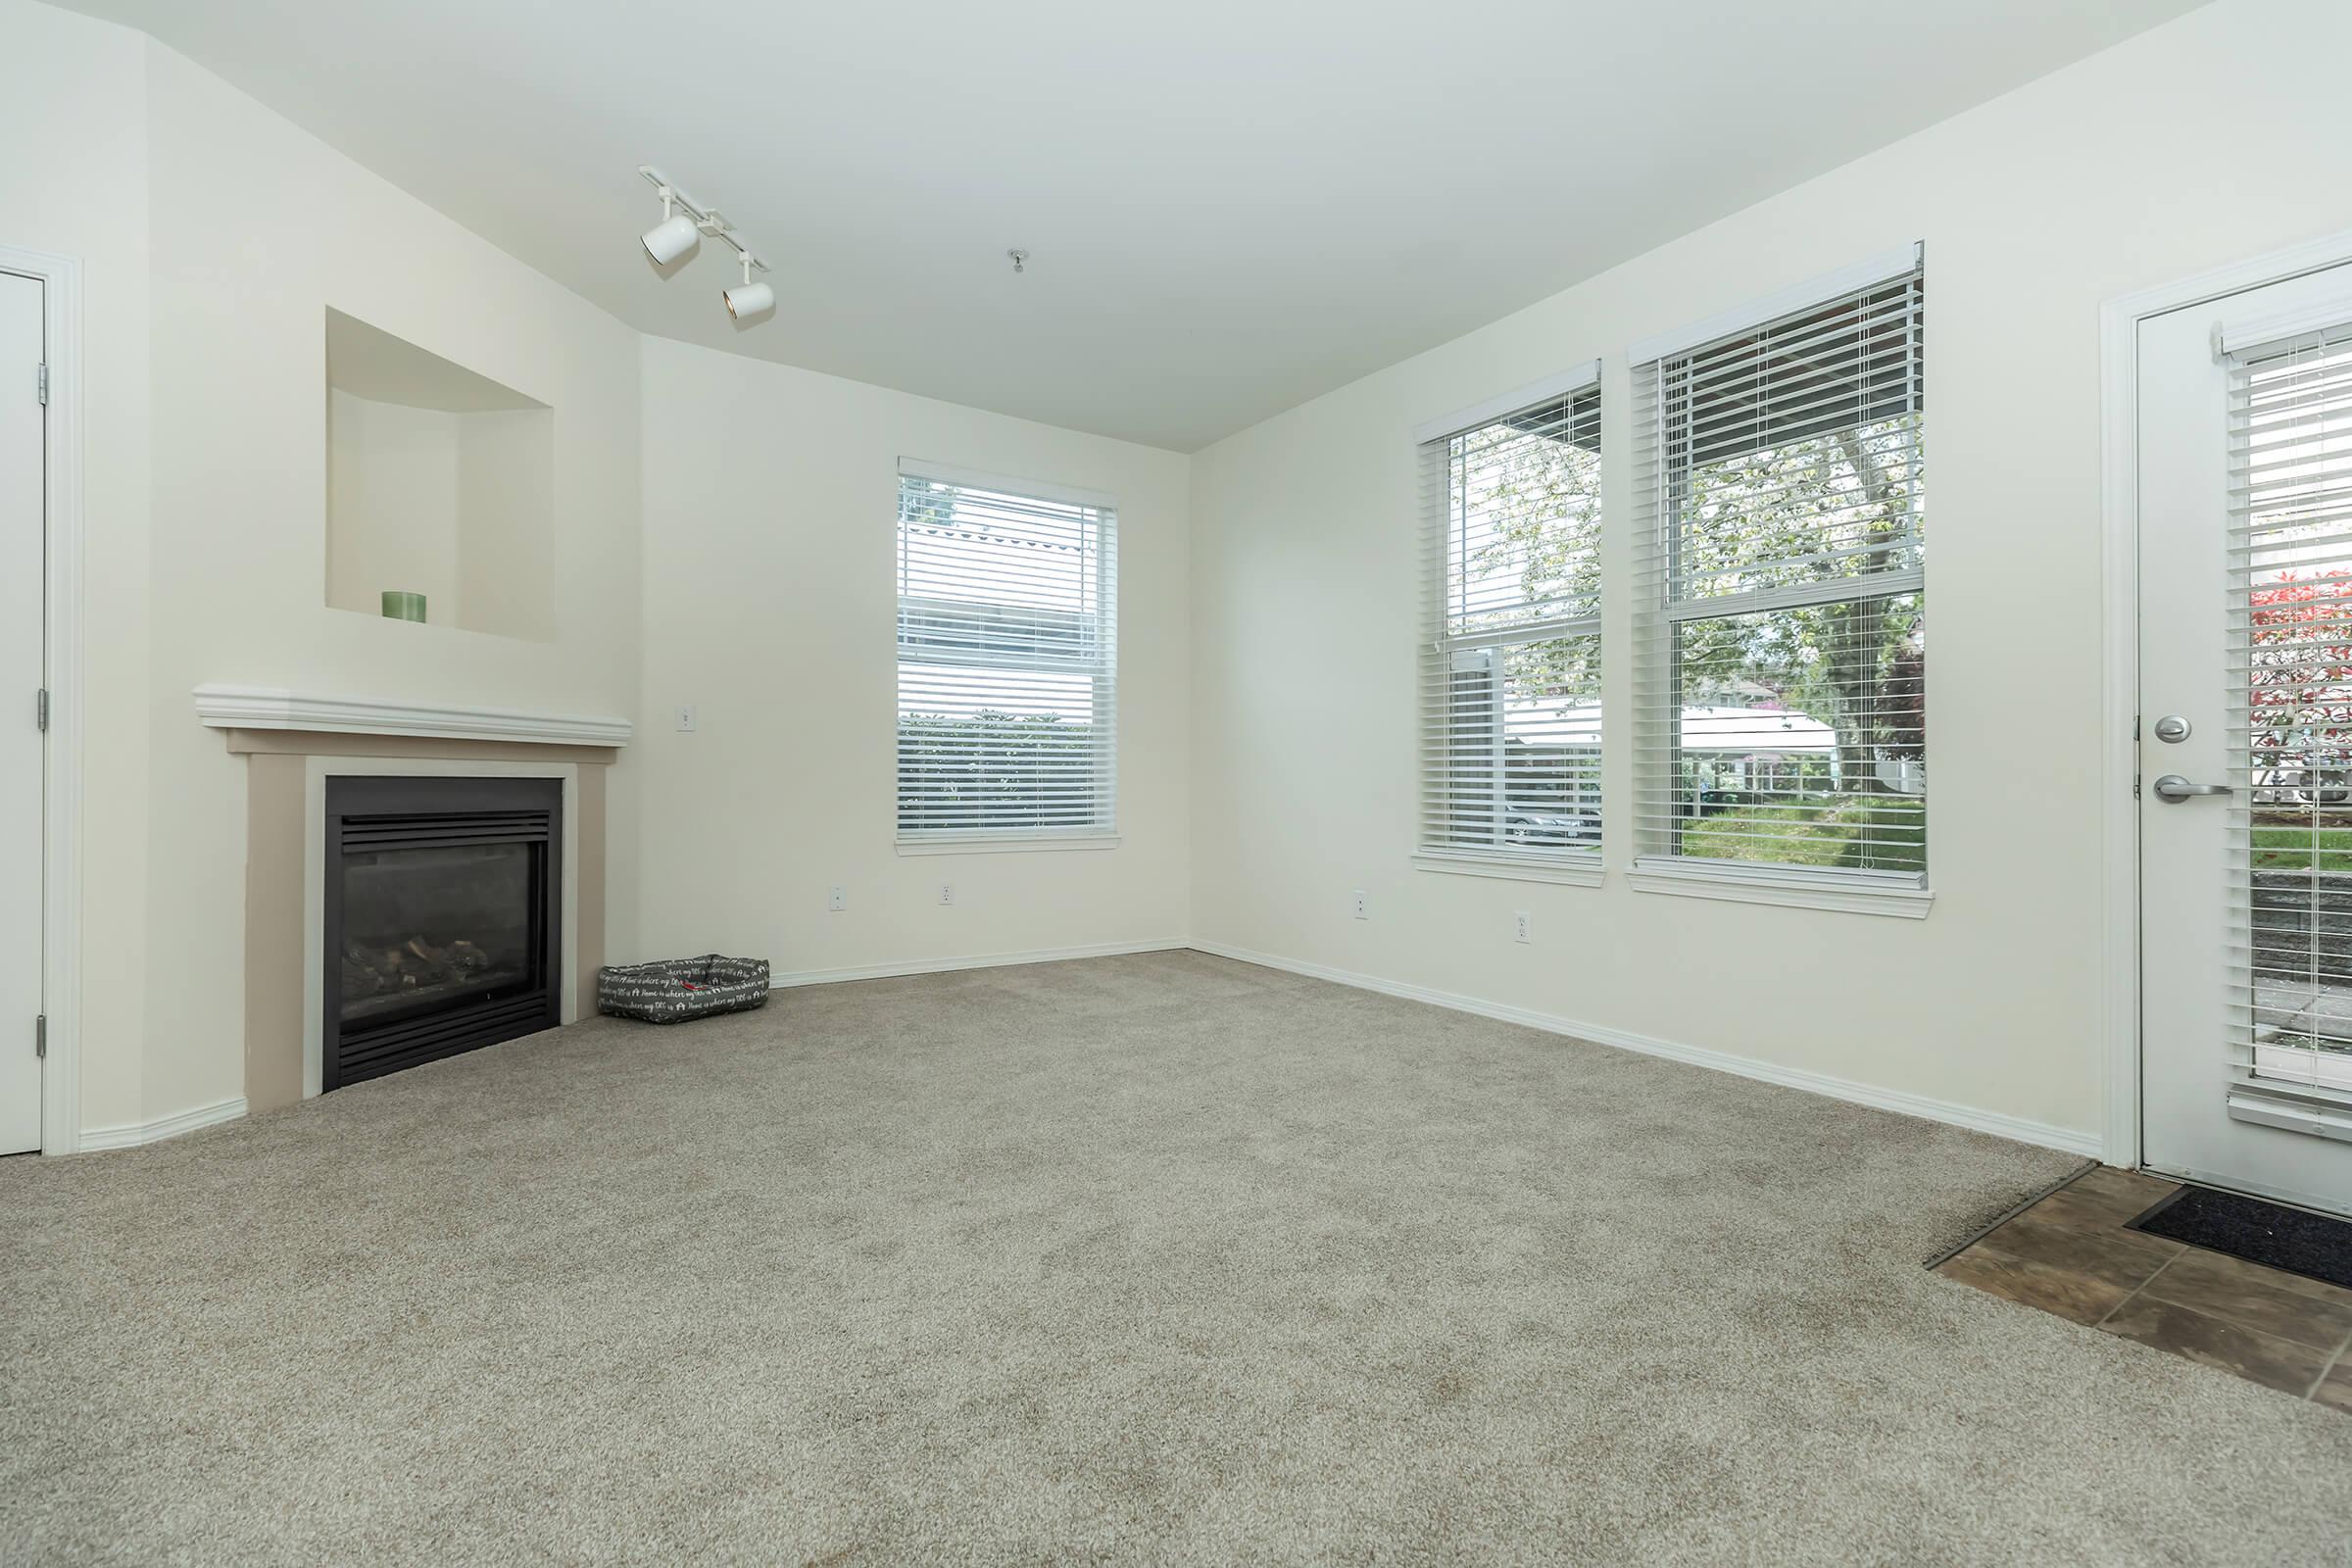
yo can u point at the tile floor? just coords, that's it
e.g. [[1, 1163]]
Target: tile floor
[[2070, 1254]]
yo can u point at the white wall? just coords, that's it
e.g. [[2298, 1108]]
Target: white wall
[[72, 117], [456, 507], [214, 235], [506, 562], [392, 504], [2125, 170], [257, 229], [771, 505]]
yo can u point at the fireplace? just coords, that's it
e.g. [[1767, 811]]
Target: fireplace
[[443, 900]]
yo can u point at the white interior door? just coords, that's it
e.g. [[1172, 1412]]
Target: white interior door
[[2245, 743], [23, 491]]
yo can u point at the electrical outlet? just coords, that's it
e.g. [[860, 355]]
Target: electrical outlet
[[685, 718], [1363, 905], [1523, 926], [838, 899], [947, 893]]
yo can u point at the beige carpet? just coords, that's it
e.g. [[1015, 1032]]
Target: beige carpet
[[1147, 1259]]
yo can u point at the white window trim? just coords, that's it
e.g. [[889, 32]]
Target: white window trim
[[1875, 270], [1067, 495], [1005, 841], [2313, 1116], [2245, 335], [1794, 887], [1568, 871], [1487, 411]]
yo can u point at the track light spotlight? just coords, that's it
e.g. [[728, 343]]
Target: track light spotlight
[[672, 237], [746, 298]]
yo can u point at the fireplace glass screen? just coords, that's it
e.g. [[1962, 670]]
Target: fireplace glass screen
[[427, 926]]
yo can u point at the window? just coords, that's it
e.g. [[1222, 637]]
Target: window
[[1781, 719], [2291, 687], [1007, 661], [1510, 664]]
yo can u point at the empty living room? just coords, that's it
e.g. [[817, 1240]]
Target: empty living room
[[1160, 784]]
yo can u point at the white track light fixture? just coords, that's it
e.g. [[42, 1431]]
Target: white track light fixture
[[672, 237], [684, 222], [747, 299]]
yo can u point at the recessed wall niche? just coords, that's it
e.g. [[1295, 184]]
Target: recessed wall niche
[[440, 483]]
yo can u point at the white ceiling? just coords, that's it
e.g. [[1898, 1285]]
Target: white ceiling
[[1231, 205]]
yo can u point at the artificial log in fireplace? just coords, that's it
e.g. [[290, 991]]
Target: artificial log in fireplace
[[443, 897]]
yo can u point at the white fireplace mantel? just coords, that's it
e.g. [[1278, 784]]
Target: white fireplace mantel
[[223, 707]]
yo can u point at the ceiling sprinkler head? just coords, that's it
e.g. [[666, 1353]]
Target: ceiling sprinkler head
[[1020, 259]]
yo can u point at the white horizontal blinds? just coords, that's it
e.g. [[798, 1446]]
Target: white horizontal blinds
[[1007, 661], [1510, 661], [1781, 492], [2291, 609]]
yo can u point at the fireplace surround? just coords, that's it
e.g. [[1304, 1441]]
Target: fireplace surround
[[442, 917], [294, 745]]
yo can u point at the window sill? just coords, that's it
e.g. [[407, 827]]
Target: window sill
[[1008, 843], [2299, 1116], [1851, 895], [1579, 872]]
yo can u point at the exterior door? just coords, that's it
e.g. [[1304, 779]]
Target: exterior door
[[2245, 740], [24, 534]]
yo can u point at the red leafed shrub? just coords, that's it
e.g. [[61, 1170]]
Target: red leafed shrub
[[2299, 678]]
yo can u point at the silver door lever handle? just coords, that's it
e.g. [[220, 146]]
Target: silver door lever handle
[[2173, 787]]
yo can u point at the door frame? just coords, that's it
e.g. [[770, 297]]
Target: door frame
[[62, 770], [2118, 705]]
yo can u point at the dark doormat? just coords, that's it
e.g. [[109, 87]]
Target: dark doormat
[[2269, 1234]]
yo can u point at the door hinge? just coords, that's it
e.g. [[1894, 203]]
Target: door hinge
[[41, 385], [41, 1035], [40, 708]]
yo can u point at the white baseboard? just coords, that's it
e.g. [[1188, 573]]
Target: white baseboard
[[1994, 1122], [985, 960], [1997, 1125], [148, 1132]]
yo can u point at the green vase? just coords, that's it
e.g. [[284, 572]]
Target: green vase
[[398, 606]]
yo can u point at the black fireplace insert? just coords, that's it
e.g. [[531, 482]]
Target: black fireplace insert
[[443, 902]]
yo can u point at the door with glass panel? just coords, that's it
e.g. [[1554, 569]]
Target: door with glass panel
[[2245, 740]]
